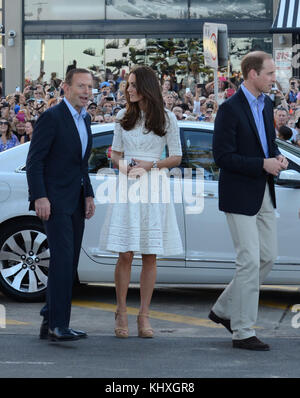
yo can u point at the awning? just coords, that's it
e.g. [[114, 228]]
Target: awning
[[287, 18]]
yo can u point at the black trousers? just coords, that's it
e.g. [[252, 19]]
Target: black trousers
[[64, 233]]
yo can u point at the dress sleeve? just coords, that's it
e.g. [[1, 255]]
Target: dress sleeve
[[173, 135], [118, 144]]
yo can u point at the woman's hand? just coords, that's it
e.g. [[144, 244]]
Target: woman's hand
[[141, 167]]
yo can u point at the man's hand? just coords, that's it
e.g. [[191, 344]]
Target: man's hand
[[43, 208], [89, 207], [283, 160], [275, 165]]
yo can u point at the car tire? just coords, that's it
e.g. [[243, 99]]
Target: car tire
[[24, 260]]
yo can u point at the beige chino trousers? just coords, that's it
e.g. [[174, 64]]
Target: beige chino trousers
[[255, 242]]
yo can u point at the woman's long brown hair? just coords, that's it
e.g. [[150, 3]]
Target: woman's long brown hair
[[147, 85], [9, 132]]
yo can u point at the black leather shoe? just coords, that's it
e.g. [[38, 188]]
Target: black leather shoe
[[215, 318], [44, 330], [80, 333], [62, 334], [252, 343]]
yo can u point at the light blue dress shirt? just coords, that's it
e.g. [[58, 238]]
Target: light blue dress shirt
[[80, 124], [257, 106]]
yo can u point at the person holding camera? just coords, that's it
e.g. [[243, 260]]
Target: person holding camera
[[146, 226], [291, 95], [105, 93]]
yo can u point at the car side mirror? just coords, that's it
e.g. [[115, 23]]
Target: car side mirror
[[289, 178]]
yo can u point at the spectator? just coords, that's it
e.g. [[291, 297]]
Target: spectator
[[107, 118], [99, 119], [72, 66], [166, 86], [39, 93], [223, 85], [169, 100], [178, 111], [112, 84], [7, 138], [291, 95], [52, 102], [281, 119], [54, 81], [199, 100], [105, 92], [29, 126], [297, 138], [285, 133], [20, 132], [92, 110], [5, 108], [291, 123], [120, 94], [209, 116], [108, 107], [116, 110]]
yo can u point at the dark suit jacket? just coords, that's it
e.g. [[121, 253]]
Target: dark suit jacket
[[55, 168], [239, 154]]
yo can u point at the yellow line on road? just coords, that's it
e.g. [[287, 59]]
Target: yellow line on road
[[164, 316], [13, 322], [271, 304]]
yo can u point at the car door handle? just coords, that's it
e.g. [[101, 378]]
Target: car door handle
[[210, 195]]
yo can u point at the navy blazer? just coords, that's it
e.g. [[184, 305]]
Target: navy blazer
[[238, 152], [55, 167]]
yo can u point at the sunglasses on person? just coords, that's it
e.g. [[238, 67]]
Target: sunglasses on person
[[4, 123]]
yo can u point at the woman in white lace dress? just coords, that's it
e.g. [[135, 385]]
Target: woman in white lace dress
[[142, 131]]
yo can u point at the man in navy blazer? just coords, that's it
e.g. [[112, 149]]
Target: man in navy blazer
[[61, 194], [244, 148]]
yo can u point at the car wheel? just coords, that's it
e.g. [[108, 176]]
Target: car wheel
[[24, 260]]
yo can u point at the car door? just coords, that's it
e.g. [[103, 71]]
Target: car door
[[100, 161], [288, 205], [208, 241]]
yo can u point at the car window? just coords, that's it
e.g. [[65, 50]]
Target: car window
[[197, 152], [293, 166], [101, 152]]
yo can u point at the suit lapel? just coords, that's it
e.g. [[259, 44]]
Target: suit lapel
[[89, 133], [268, 127]]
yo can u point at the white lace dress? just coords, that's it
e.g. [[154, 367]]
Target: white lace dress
[[142, 225]]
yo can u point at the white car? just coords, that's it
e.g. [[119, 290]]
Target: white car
[[209, 256]]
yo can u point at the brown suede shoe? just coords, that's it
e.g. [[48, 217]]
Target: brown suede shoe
[[215, 318], [252, 343]]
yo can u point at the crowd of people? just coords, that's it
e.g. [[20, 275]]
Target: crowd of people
[[191, 101]]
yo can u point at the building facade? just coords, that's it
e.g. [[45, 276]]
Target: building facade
[[113, 35]]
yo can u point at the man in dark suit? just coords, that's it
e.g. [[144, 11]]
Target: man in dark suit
[[245, 150], [60, 192]]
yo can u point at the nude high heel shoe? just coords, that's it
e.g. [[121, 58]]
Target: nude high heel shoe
[[121, 332], [146, 333]]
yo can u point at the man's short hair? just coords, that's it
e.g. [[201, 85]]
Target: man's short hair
[[254, 60], [281, 108], [285, 132], [72, 72]]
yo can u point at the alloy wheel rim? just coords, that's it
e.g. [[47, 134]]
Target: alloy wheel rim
[[24, 261]]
